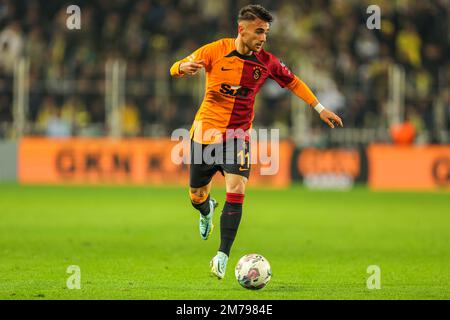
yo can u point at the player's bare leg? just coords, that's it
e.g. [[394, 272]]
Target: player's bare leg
[[229, 222], [201, 200]]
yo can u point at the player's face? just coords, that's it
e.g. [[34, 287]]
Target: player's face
[[254, 33]]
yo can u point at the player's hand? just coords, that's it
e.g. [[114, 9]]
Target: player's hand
[[330, 118], [191, 67]]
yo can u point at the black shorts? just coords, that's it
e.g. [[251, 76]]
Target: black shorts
[[232, 156]]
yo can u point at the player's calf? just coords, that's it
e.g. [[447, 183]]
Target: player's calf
[[200, 201], [229, 221]]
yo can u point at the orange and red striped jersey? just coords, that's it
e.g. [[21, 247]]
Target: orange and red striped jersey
[[232, 82]]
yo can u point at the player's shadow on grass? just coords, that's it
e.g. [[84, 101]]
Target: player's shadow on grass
[[272, 288], [282, 287]]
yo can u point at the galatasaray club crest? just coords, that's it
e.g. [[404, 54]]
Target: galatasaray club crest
[[256, 73]]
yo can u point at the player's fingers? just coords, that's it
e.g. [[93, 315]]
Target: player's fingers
[[330, 124], [196, 65], [338, 120], [193, 70]]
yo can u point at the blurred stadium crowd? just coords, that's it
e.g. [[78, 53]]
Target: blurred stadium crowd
[[325, 42]]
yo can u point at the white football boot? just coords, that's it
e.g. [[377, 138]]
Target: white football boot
[[206, 226], [218, 265]]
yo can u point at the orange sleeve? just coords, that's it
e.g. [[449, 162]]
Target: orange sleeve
[[301, 90], [175, 69], [207, 53]]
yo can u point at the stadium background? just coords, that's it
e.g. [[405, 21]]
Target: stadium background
[[97, 106]]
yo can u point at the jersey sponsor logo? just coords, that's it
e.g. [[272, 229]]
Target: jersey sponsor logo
[[234, 91]]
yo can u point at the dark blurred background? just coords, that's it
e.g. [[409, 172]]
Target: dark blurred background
[[112, 76]]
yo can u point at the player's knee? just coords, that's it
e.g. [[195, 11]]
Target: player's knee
[[235, 183], [198, 195], [238, 187]]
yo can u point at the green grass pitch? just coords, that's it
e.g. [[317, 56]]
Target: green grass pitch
[[143, 243]]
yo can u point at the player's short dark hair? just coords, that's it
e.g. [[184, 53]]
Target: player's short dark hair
[[253, 11]]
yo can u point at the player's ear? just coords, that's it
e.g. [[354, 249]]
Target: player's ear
[[240, 27]]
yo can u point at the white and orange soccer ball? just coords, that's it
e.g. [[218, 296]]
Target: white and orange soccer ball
[[253, 271]]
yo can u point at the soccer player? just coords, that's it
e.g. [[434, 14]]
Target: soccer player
[[236, 69]]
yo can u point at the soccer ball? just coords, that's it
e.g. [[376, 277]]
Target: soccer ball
[[253, 271]]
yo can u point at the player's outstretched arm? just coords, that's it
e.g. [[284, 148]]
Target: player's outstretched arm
[[200, 58], [300, 89], [285, 78]]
